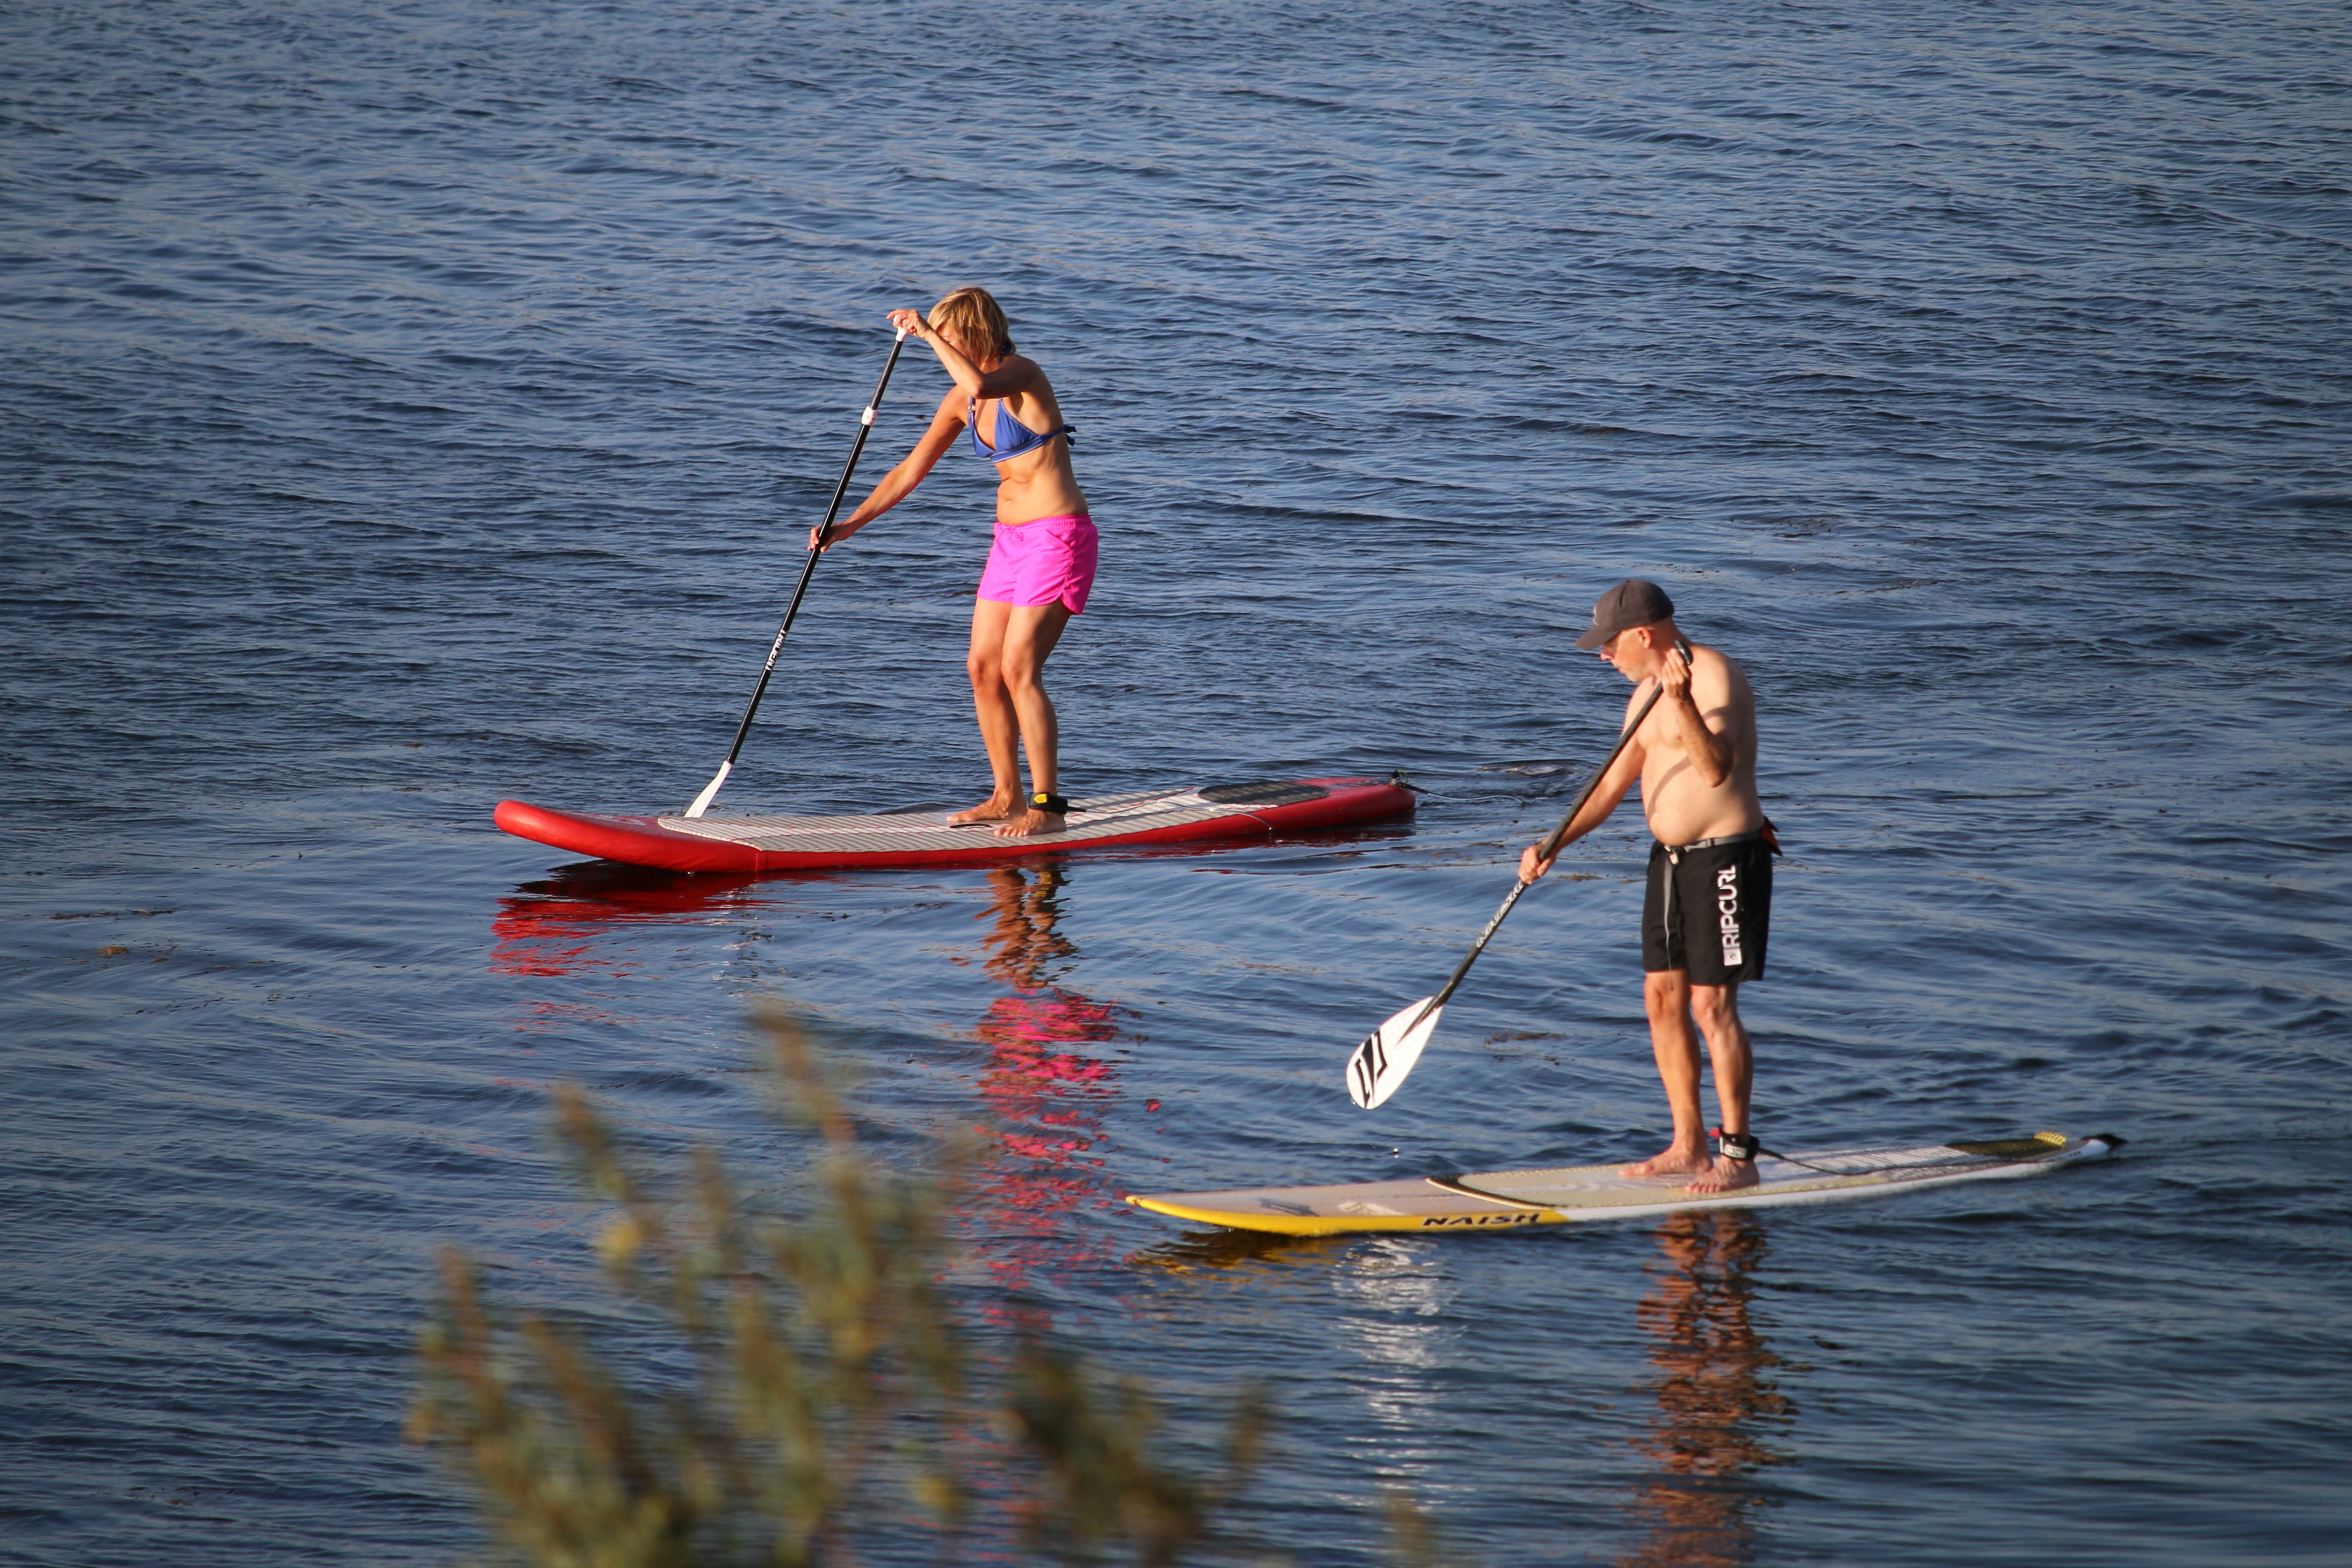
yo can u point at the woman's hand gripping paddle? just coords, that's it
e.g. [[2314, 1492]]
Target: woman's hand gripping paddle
[[1390, 1051], [864, 425]]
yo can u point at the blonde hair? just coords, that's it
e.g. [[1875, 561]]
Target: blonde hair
[[975, 320]]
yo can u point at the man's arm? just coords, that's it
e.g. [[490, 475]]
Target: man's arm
[[1707, 738], [1605, 799]]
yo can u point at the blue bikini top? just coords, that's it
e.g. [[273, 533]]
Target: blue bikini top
[[1013, 437]]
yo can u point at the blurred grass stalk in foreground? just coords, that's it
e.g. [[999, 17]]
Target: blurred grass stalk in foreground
[[805, 1392]]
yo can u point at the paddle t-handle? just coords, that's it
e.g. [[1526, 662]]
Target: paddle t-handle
[[1380, 1064], [701, 803]]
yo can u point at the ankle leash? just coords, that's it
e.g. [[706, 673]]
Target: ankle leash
[[1745, 1147]]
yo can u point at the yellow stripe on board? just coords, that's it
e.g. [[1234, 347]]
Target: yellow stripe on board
[[1349, 1223]]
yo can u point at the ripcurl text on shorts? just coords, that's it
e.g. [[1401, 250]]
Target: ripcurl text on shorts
[[1708, 909]]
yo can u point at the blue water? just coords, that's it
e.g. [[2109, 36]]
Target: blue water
[[409, 406]]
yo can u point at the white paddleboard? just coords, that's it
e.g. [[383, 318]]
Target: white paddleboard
[[1511, 1200]]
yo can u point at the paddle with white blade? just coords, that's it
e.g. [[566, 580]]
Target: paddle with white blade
[[864, 425], [1390, 1051]]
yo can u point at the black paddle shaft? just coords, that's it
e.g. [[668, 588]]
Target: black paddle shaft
[[775, 649], [1549, 847]]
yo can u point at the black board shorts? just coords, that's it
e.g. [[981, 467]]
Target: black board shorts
[[1706, 911]]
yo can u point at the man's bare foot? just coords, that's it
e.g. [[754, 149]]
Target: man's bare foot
[[1030, 822], [1677, 1161], [1724, 1176], [995, 808]]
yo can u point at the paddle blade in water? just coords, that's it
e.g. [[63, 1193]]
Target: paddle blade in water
[[1382, 1063], [709, 791]]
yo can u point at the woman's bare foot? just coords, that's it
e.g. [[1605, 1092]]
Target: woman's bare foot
[[1677, 1161], [1032, 822], [1724, 1176], [995, 808]]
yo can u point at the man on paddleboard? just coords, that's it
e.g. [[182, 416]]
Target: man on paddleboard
[[1710, 897]]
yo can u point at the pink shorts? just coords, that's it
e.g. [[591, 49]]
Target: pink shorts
[[1042, 560]]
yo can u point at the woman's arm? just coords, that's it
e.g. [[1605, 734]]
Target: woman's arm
[[901, 482], [1013, 374]]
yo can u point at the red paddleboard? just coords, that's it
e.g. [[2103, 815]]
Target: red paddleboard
[[718, 843]]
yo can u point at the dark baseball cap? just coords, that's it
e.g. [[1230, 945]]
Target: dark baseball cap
[[1632, 602]]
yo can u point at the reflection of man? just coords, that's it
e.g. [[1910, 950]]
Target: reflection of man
[[1710, 884], [1713, 1386]]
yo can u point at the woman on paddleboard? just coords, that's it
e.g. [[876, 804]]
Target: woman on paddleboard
[[1042, 564]]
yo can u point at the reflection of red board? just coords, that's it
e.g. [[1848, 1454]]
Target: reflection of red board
[[923, 838]]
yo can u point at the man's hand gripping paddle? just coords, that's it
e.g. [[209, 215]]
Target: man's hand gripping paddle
[[1390, 1051], [865, 424]]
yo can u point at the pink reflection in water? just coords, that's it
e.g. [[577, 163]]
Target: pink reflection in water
[[1047, 1099]]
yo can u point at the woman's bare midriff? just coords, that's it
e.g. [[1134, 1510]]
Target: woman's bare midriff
[[1017, 503], [1039, 484]]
